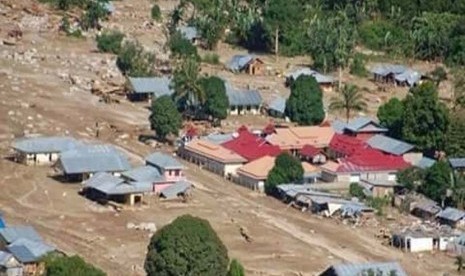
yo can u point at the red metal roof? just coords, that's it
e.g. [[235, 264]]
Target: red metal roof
[[346, 145], [309, 151], [269, 129], [250, 146], [372, 160]]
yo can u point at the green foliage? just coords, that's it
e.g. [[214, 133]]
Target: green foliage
[[382, 35], [110, 41], [455, 145], [437, 181], [95, 12], [188, 92], [305, 104], [357, 67], [187, 246], [378, 203], [411, 178], [439, 75], [181, 47], [287, 169], [165, 118], [236, 269], [211, 58], [155, 12], [350, 99], [459, 262], [391, 116], [425, 118], [217, 102], [133, 61], [356, 190], [70, 266]]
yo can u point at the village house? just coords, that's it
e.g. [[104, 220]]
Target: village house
[[362, 128], [212, 157], [243, 102], [41, 150], [82, 162], [9, 265], [246, 63], [425, 209], [295, 138], [149, 88], [452, 217], [342, 146], [346, 269], [395, 74], [457, 164], [190, 33], [312, 154], [391, 146], [277, 107], [424, 238], [379, 188], [367, 164], [326, 82]]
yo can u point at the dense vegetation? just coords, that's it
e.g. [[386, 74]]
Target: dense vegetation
[[287, 169], [110, 41], [70, 266], [165, 118]]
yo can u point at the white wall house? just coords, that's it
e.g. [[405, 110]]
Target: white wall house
[[41, 150]]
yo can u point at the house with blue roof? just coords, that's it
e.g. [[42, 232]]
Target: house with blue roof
[[190, 33], [326, 82], [9, 265], [243, 102], [358, 269], [41, 150], [362, 128], [452, 217], [277, 107], [148, 88], [246, 63], [396, 74]]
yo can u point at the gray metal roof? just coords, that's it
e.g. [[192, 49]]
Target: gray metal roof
[[411, 77], [93, 158], [354, 208], [457, 163], [384, 69], [238, 62], [429, 206], [102, 178], [173, 191], [144, 174], [278, 105], [13, 233], [4, 258], [189, 32], [163, 161], [55, 144], [338, 126], [425, 163], [218, 138], [292, 190], [244, 97], [358, 269], [389, 145], [360, 122], [380, 183], [111, 185], [451, 214], [27, 251], [158, 86], [320, 78]]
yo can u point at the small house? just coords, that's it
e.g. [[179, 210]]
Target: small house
[[190, 33], [170, 168], [413, 241], [389, 145], [312, 154], [30, 254], [246, 63], [41, 150], [397, 75], [452, 217], [342, 146], [82, 162], [149, 88], [243, 102], [277, 107], [379, 188], [425, 209], [212, 157], [350, 269], [9, 265], [254, 174], [326, 82], [293, 139], [457, 164], [10, 234], [363, 128], [311, 173]]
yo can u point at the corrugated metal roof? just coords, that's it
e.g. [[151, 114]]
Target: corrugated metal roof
[[411, 77], [385, 69], [425, 163], [360, 122], [243, 98], [338, 126], [358, 269], [13, 233], [163, 161], [144, 174], [102, 178], [457, 163], [93, 158], [320, 78], [53, 144], [354, 208], [5, 258], [238, 62], [117, 186], [189, 32], [218, 138], [278, 105], [389, 145], [158, 86], [451, 214], [27, 251], [172, 191]]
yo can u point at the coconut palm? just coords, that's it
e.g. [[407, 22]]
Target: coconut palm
[[350, 99], [187, 90]]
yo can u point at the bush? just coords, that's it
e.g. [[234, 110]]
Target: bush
[[181, 47], [133, 61], [70, 266], [236, 269], [286, 169], [381, 35], [357, 67], [378, 203], [165, 118], [110, 42], [156, 12], [211, 58], [356, 190]]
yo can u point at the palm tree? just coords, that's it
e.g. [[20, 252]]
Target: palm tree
[[187, 90], [349, 100]]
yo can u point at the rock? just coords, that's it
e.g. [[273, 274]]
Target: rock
[[151, 227], [30, 118], [130, 225], [25, 105], [11, 113], [62, 217]]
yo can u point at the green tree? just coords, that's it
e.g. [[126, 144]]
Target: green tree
[[95, 12], [391, 116], [455, 142], [69, 266], [305, 104], [286, 169], [236, 269], [188, 92], [356, 190], [411, 178], [181, 47], [439, 75], [217, 102], [350, 99], [187, 246], [165, 118], [437, 181], [155, 12], [357, 67], [425, 118], [134, 61], [110, 41], [458, 86]]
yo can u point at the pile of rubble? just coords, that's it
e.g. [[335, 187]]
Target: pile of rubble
[[144, 226]]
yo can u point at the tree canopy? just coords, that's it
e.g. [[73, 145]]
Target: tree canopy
[[455, 142], [305, 104], [134, 61], [187, 246], [437, 181], [287, 169], [217, 102], [349, 99], [165, 118], [181, 47], [110, 41], [69, 266], [391, 116]]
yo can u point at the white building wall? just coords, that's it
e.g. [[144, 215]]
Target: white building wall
[[444, 241], [251, 183], [420, 244], [231, 169], [210, 164]]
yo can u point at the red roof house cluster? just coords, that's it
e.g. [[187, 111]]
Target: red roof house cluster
[[372, 160], [346, 145], [309, 151], [250, 146]]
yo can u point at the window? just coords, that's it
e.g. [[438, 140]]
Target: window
[[177, 173]]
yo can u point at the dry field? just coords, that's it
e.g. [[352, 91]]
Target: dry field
[[44, 88]]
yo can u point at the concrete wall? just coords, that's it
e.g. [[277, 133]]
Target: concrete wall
[[174, 175], [37, 158], [210, 164], [420, 244], [244, 110], [251, 183], [349, 177]]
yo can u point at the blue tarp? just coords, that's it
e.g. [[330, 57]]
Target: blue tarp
[[2, 222]]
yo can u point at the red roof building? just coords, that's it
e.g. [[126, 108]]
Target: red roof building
[[309, 151], [250, 146], [343, 145], [372, 160]]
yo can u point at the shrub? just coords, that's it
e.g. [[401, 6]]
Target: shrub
[[357, 67], [156, 12], [110, 42], [356, 190], [69, 266], [133, 61], [181, 47], [211, 58]]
